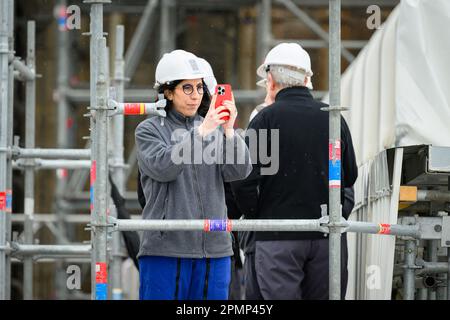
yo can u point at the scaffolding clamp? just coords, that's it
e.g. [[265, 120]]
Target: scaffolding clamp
[[325, 225], [22, 164], [113, 222], [92, 226]]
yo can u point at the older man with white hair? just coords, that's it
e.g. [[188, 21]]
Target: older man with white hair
[[293, 265]]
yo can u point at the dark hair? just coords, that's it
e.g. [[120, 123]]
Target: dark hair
[[204, 104]]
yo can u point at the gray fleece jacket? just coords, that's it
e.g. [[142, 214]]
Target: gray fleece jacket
[[188, 190]]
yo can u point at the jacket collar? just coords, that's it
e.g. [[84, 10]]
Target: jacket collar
[[179, 118], [293, 92]]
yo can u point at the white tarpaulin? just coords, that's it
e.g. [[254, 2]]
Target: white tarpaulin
[[398, 89]]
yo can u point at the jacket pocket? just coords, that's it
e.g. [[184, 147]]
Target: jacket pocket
[[165, 208]]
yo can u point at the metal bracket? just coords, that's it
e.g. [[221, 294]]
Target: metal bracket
[[324, 221], [325, 225], [113, 222], [91, 227], [27, 163]]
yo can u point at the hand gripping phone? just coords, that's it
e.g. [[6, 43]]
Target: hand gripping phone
[[223, 92]]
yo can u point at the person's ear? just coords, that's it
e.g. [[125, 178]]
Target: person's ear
[[270, 82], [168, 94]]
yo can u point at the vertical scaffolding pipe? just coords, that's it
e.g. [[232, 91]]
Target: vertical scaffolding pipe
[[409, 270], [100, 157], [335, 149], [167, 34], [4, 78], [30, 116], [9, 169], [140, 38], [265, 29], [431, 257], [118, 173], [62, 141], [96, 33]]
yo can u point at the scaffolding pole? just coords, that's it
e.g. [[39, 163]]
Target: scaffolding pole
[[99, 177], [315, 27], [63, 140], [409, 270], [118, 173], [4, 80], [30, 116], [168, 32], [264, 30], [140, 39], [96, 33], [335, 148], [9, 172]]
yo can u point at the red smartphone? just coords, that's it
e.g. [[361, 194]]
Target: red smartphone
[[223, 92]]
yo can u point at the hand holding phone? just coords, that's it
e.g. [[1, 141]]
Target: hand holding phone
[[223, 93]]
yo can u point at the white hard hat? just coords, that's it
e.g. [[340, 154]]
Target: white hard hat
[[209, 78], [177, 65], [287, 54]]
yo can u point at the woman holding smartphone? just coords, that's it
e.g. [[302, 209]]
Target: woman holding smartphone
[[186, 264]]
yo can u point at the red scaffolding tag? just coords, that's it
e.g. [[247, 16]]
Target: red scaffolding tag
[[101, 272], [134, 108], [3, 201], [385, 228]]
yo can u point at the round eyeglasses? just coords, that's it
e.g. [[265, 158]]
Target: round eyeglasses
[[188, 89]]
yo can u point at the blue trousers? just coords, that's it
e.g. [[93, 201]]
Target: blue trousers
[[167, 278]]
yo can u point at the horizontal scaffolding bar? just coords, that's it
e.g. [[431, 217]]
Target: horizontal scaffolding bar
[[432, 267], [218, 225], [53, 164], [81, 218], [319, 225], [384, 229], [52, 153], [49, 250], [69, 260], [433, 195], [147, 95], [317, 44]]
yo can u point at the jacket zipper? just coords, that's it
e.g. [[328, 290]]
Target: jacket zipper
[[197, 189]]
